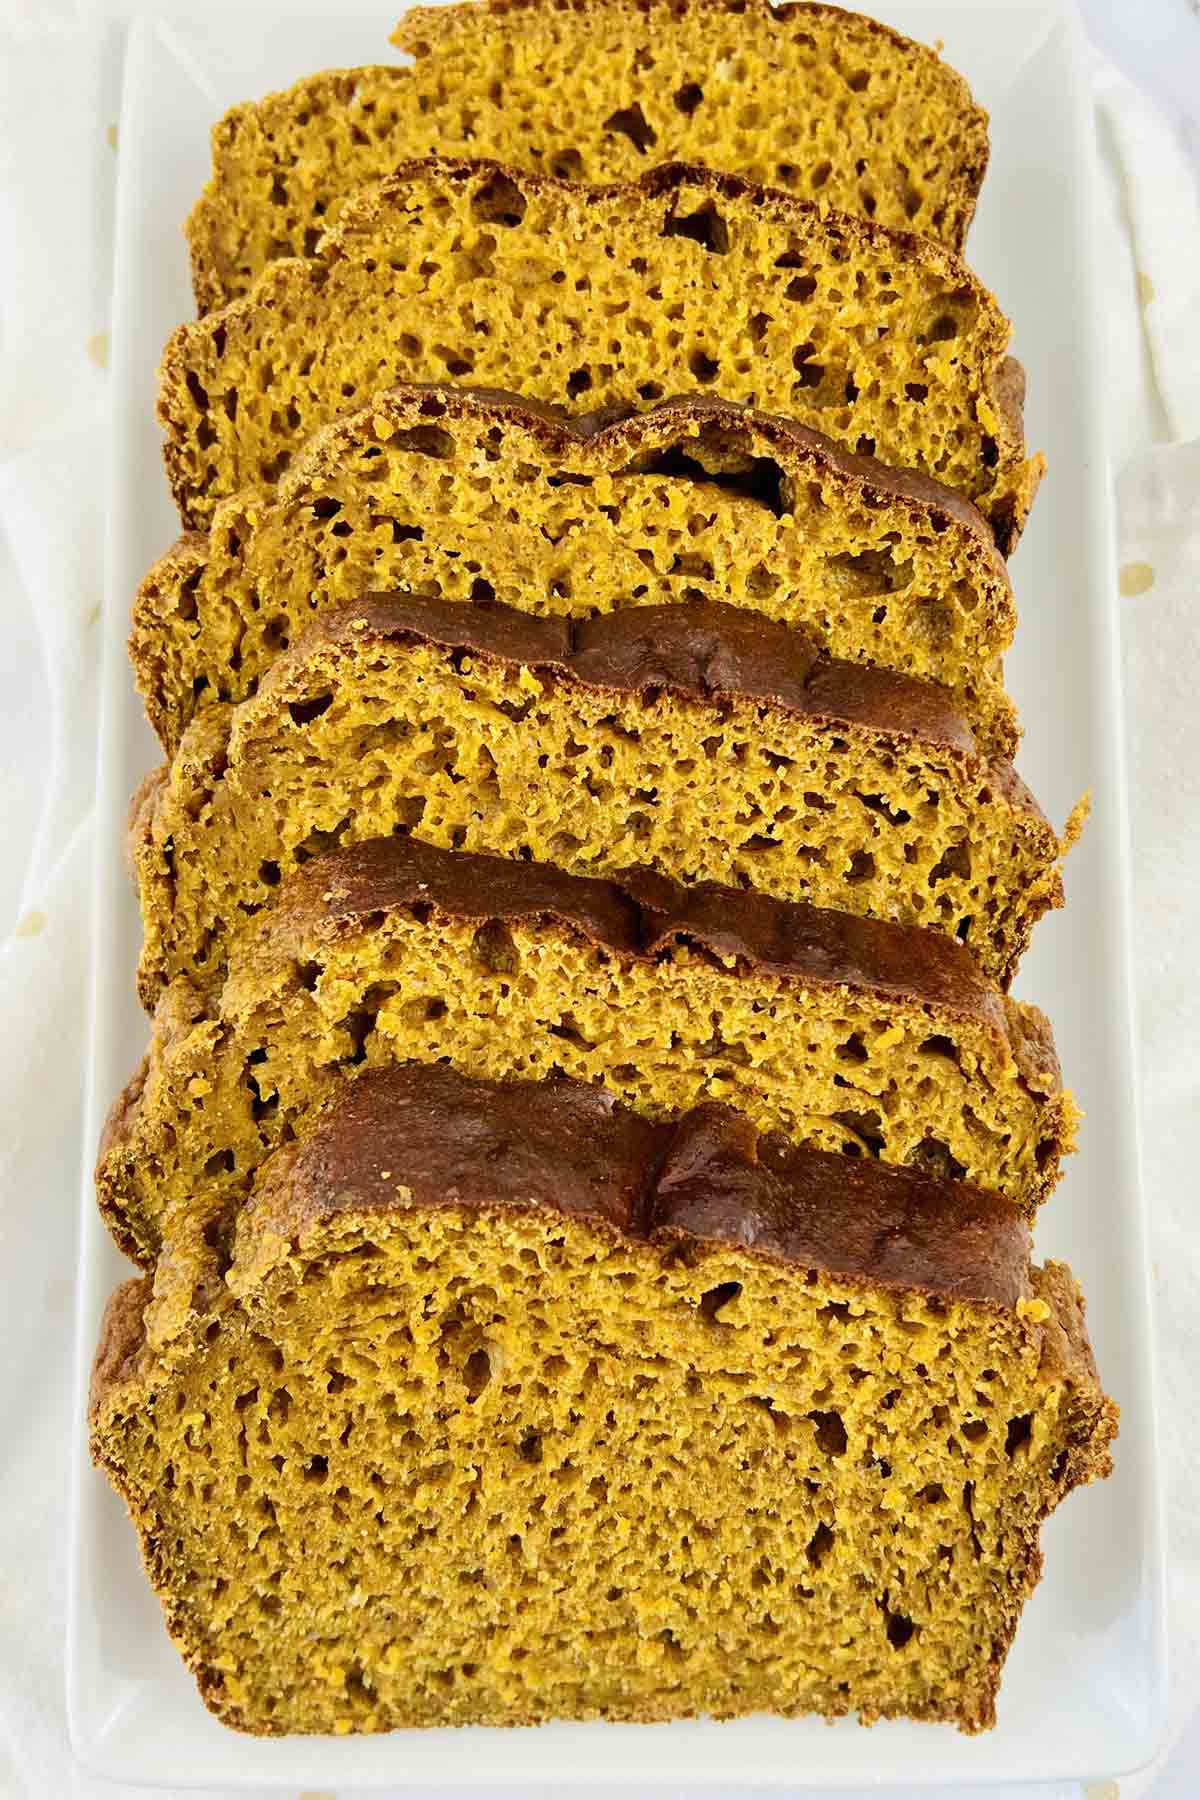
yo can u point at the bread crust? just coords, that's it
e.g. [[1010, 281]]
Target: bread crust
[[700, 652], [709, 1178], [640, 916]]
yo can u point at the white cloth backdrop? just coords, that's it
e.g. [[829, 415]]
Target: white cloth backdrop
[[57, 160]]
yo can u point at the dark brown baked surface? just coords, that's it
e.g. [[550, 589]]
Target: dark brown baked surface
[[703, 652], [638, 917], [712, 1177], [847, 1033]]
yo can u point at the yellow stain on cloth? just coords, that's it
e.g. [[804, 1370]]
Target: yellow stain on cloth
[[1136, 578], [32, 925], [1145, 288], [97, 349]]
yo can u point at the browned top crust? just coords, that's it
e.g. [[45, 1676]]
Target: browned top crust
[[638, 917], [613, 430], [773, 456], [431, 1137], [703, 651], [363, 210]]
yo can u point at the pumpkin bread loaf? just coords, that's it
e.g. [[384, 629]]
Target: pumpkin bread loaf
[[681, 282], [697, 739], [825, 103], [846, 1033], [479, 496], [502, 1404]]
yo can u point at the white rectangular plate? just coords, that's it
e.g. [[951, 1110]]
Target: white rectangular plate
[[1083, 1693]]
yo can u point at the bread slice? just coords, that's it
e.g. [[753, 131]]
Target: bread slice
[[502, 1404], [482, 496], [846, 1033], [696, 739], [824, 103], [684, 281]]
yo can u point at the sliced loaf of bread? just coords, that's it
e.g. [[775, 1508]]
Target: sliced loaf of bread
[[501, 1404], [479, 496], [699, 740], [825, 103], [681, 282], [847, 1033]]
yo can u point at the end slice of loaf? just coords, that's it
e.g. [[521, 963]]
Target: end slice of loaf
[[848, 1034], [684, 281], [824, 103], [501, 1404], [477, 496], [700, 740]]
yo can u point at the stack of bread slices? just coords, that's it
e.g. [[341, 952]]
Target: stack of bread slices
[[584, 1163]]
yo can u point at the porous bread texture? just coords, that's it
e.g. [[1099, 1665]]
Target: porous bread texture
[[693, 740], [407, 1457], [824, 103], [845, 1034], [685, 281], [477, 496]]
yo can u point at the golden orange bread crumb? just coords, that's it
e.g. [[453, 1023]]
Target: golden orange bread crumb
[[501, 1405], [478, 496], [824, 103], [879, 1040], [698, 740], [685, 281]]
